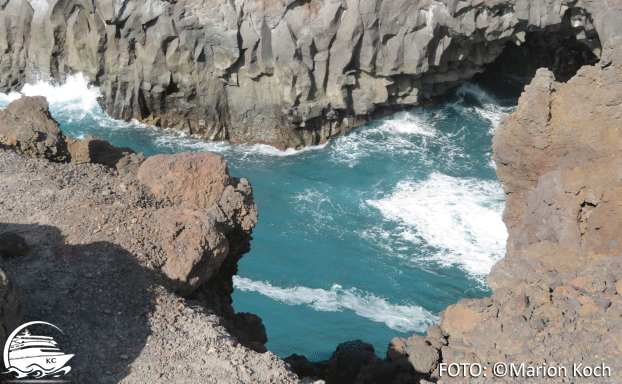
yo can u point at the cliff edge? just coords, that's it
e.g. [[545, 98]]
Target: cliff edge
[[132, 261], [557, 295]]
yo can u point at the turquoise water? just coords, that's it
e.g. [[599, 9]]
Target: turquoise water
[[366, 237]]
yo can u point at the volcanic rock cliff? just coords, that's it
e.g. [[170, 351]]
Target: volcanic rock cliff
[[557, 294], [291, 72]]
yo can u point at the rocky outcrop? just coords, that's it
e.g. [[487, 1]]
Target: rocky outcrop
[[198, 180], [202, 231], [207, 203], [201, 221], [555, 294], [98, 255], [290, 73], [92, 273], [27, 126]]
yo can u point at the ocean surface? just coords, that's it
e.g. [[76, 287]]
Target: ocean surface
[[366, 237]]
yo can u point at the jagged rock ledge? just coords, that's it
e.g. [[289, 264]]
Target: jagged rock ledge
[[290, 73], [132, 261]]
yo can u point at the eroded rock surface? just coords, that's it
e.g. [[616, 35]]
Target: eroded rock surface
[[555, 295], [198, 180], [290, 73], [27, 125]]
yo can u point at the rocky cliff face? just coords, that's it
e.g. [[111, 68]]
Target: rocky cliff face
[[290, 73], [557, 296]]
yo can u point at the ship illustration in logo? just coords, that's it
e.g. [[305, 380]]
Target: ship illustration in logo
[[34, 356]]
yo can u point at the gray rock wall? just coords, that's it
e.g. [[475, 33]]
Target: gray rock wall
[[289, 73]]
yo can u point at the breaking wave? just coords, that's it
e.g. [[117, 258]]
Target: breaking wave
[[402, 318]]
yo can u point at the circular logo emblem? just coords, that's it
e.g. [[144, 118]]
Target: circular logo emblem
[[34, 356]]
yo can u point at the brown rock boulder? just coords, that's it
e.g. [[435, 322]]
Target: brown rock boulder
[[194, 179], [96, 150], [193, 245], [99, 151], [27, 126], [10, 307], [397, 350], [461, 318], [561, 127], [422, 355]]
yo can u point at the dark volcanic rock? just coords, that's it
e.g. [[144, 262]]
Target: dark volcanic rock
[[26, 125], [291, 73]]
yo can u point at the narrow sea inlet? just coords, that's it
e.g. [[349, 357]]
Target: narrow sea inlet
[[366, 237]]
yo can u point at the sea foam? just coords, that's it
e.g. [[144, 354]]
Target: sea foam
[[459, 218], [402, 318]]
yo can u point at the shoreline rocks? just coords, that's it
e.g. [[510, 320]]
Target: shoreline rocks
[[97, 253], [291, 73], [27, 126]]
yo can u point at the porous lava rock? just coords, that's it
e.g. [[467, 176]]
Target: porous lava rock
[[193, 245], [197, 180], [27, 125]]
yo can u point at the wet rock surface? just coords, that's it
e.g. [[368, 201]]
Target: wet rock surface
[[290, 73]]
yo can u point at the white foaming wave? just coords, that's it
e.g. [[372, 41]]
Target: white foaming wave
[[402, 318], [6, 99], [396, 132], [490, 109], [459, 218], [477, 92], [493, 114], [171, 138], [75, 92], [409, 123]]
